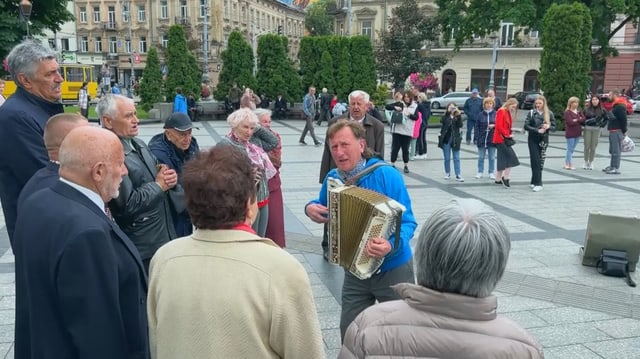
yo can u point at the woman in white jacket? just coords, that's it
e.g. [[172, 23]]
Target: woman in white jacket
[[402, 133]]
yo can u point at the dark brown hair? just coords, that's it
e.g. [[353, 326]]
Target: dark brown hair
[[218, 183], [356, 128]]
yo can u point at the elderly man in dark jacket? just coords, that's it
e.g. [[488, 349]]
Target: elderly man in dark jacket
[[23, 117], [143, 207], [173, 148]]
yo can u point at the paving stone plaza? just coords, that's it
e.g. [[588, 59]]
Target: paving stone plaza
[[574, 311]]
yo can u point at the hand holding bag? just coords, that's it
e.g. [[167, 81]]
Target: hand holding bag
[[395, 116], [627, 144]]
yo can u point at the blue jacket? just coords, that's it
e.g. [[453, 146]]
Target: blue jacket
[[22, 151], [484, 135], [168, 154], [388, 181], [180, 104], [472, 107]]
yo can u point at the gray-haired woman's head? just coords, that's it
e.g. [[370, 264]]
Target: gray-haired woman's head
[[463, 248], [25, 57], [240, 116]]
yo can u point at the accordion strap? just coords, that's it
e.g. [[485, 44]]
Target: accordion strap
[[353, 182]]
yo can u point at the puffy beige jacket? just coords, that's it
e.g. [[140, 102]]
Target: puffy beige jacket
[[430, 324]]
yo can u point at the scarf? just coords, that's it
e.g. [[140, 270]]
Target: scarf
[[254, 151], [347, 175]]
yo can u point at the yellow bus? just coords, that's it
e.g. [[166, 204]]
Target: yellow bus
[[74, 76]]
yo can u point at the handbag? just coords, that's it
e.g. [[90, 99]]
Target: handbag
[[397, 117], [509, 141], [615, 263]]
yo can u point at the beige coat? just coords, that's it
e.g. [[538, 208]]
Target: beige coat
[[230, 294], [430, 324]]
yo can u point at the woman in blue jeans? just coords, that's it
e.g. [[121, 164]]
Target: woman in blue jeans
[[451, 138], [485, 123], [573, 121]]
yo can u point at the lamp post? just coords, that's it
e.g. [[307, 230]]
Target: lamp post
[[347, 8], [205, 44], [127, 5], [25, 11], [494, 58]]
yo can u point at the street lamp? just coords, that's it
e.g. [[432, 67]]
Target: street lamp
[[205, 38], [494, 58], [347, 8], [25, 11]]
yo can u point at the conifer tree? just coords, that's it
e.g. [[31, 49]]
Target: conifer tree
[[182, 69], [151, 82], [237, 65]]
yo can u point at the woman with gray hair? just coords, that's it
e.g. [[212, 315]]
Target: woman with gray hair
[[461, 254]]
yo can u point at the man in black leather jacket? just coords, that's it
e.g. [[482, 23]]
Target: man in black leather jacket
[[142, 208]]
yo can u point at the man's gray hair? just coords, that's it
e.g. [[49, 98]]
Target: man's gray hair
[[108, 105], [262, 112], [25, 57], [359, 93], [463, 248], [243, 115]]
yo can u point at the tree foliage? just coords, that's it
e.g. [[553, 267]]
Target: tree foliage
[[363, 64], [325, 76], [276, 74], [237, 65], [409, 30], [182, 69], [151, 82], [318, 21], [344, 82], [566, 56], [44, 15], [467, 18]]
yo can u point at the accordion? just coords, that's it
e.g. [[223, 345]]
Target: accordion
[[356, 215]]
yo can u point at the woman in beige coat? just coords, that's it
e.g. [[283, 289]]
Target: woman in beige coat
[[461, 254], [224, 292]]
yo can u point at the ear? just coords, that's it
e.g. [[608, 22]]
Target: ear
[[99, 172], [363, 145], [106, 122], [252, 210], [24, 81]]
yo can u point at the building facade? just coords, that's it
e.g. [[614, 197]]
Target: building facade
[[64, 41], [623, 71]]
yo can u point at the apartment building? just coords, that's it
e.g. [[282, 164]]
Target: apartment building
[[115, 35], [623, 71]]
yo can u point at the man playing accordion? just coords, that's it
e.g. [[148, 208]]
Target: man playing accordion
[[348, 148]]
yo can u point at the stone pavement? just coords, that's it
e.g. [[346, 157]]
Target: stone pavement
[[573, 311]]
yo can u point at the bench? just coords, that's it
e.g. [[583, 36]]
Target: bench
[[211, 110]]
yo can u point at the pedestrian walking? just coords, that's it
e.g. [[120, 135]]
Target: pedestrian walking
[[309, 109]]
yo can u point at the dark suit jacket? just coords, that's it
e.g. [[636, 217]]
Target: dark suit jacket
[[80, 283], [44, 178], [22, 151], [374, 138]]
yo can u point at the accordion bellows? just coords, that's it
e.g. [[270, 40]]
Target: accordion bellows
[[355, 215]]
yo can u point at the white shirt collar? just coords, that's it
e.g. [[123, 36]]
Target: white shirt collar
[[93, 197]]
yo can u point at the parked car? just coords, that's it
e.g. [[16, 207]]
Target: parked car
[[607, 104], [458, 98], [526, 99], [636, 105]]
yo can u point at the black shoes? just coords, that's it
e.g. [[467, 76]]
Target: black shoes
[[505, 183], [302, 143], [406, 169], [317, 144]]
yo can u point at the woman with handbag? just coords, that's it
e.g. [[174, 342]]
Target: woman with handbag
[[503, 139], [595, 117], [573, 121], [402, 132], [538, 123], [450, 139]]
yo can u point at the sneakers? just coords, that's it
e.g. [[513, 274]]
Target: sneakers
[[505, 183], [612, 171], [497, 182], [421, 157], [492, 176], [606, 169], [531, 186], [587, 165], [536, 188], [317, 144], [406, 169], [478, 176], [302, 143], [459, 179], [447, 176]]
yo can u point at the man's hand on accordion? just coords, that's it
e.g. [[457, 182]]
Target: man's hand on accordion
[[378, 247], [318, 213]]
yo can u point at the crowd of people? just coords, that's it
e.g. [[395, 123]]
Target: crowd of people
[[164, 250]]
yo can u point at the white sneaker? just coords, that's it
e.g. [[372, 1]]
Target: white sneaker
[[585, 166], [422, 157], [459, 179], [413, 158], [478, 176], [447, 176], [537, 188], [531, 186], [492, 176]]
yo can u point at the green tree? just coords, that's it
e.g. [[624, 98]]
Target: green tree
[[344, 78], [44, 15], [468, 18], [318, 21], [566, 56], [151, 82], [273, 67], [182, 69], [308, 61], [237, 65], [325, 77], [399, 55], [363, 64]]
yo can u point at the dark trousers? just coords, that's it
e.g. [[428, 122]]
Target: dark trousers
[[615, 148], [400, 142], [325, 115], [421, 143], [470, 126], [535, 154], [359, 294], [308, 127]]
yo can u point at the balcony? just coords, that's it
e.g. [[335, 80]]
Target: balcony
[[182, 20], [110, 26]]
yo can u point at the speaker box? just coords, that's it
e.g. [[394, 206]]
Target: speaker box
[[611, 232]]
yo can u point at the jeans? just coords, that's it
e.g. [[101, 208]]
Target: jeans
[[492, 158], [421, 145], [470, 126], [615, 148], [446, 148], [571, 146]]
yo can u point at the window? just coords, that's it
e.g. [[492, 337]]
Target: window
[[127, 46], [534, 34], [96, 14], [64, 44], [203, 8], [97, 44], [183, 9], [73, 74], [52, 43], [164, 10], [235, 12], [111, 14], [83, 14], [365, 29], [84, 44], [226, 9], [506, 34], [125, 13], [113, 45], [141, 14], [142, 44], [164, 40]]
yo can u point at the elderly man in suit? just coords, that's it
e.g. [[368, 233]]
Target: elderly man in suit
[[374, 128], [80, 283], [34, 69]]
